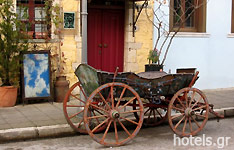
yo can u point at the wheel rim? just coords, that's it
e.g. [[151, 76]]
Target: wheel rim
[[116, 107], [73, 108], [153, 115], [188, 112]]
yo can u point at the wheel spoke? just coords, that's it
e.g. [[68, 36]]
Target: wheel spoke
[[178, 109], [154, 115], [82, 90], [146, 111], [179, 122], [192, 99], [159, 114], [75, 114], [180, 102], [103, 99], [186, 98], [196, 102], [132, 111], [94, 117], [78, 98], [80, 122], [116, 132], [185, 123], [99, 108], [149, 116], [124, 128], [98, 112], [120, 98], [127, 103], [196, 122], [99, 125], [112, 97], [198, 108], [176, 116], [190, 125], [129, 120], [107, 129]]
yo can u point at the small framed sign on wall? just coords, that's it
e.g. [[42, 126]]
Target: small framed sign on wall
[[69, 20], [36, 76]]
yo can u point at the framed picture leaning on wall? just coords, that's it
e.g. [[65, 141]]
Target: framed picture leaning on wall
[[36, 76]]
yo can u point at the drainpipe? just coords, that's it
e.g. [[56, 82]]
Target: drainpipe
[[84, 32]]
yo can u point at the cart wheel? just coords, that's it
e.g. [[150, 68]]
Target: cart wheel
[[190, 106], [153, 115], [114, 106], [73, 108]]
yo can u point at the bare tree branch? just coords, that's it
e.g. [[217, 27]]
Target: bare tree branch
[[181, 13]]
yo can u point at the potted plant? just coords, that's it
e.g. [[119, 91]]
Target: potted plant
[[154, 64], [13, 42]]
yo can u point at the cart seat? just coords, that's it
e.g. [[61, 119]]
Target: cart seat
[[88, 78], [152, 74]]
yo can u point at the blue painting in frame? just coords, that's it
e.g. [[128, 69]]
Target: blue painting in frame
[[36, 75]]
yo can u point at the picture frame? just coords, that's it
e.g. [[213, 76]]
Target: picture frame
[[36, 76], [69, 20]]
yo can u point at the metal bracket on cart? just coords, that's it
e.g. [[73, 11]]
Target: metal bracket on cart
[[211, 110]]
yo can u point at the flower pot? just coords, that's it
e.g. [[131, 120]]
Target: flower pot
[[153, 67], [61, 88], [8, 96]]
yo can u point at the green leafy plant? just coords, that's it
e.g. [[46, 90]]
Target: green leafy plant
[[13, 42], [153, 56], [54, 16]]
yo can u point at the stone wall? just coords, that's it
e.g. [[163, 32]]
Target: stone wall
[[137, 47]]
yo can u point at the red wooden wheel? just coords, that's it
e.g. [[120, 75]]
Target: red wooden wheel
[[73, 108], [115, 109], [188, 112], [153, 114]]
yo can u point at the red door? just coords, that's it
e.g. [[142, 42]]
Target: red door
[[106, 39]]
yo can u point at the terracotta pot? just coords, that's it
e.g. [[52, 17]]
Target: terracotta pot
[[8, 96], [61, 87]]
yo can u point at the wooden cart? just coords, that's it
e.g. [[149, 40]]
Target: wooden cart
[[109, 102]]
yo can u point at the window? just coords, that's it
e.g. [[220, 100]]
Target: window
[[188, 15], [33, 14], [232, 29]]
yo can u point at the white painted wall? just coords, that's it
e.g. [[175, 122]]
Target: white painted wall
[[212, 54]]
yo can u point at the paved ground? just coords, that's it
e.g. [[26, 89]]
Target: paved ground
[[221, 98], [31, 115], [215, 136], [46, 117]]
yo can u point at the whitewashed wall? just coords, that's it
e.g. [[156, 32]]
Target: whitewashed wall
[[211, 53]]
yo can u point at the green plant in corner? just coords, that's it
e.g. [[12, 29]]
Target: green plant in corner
[[55, 17], [153, 56], [13, 42]]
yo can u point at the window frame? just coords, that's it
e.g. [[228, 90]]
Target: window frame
[[232, 17], [31, 6], [199, 19]]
